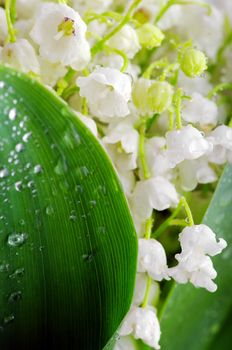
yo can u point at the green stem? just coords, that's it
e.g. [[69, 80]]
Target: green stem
[[120, 53], [85, 110], [188, 211], [147, 292], [100, 44], [142, 155], [11, 31], [170, 3], [171, 222], [154, 65], [219, 88], [177, 105], [148, 230]]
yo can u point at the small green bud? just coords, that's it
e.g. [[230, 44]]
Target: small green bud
[[139, 94], [193, 63], [150, 36], [159, 97]]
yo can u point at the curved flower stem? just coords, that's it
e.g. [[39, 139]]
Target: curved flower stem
[[120, 53], [10, 14], [100, 44], [188, 211], [154, 65], [170, 3], [145, 169], [219, 88], [171, 222]]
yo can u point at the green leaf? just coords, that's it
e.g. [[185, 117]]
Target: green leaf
[[192, 318], [68, 245]]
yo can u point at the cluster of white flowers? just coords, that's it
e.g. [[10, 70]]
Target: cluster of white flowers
[[136, 74]]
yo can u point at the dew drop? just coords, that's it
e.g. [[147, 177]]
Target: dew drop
[[88, 257], [26, 136], [12, 114], [4, 267], [37, 169], [19, 147], [15, 296], [17, 239], [79, 188], [49, 210], [93, 204], [18, 186], [17, 273], [9, 319], [3, 173]]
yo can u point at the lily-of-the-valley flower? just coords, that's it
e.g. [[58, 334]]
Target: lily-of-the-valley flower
[[60, 33], [198, 243], [126, 136], [107, 91], [221, 138], [143, 324], [152, 259], [186, 144], [126, 40], [21, 55], [155, 193], [200, 110]]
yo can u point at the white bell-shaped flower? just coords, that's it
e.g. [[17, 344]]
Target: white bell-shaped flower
[[202, 239], [107, 91], [221, 138], [20, 55], [194, 172], [143, 324], [152, 259], [196, 269], [157, 160], [200, 110], [60, 33], [128, 137], [155, 193], [50, 73], [126, 343], [126, 40], [186, 143], [194, 264]]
